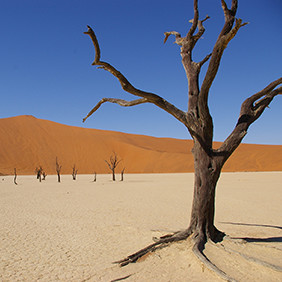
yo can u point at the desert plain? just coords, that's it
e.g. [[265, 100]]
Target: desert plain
[[75, 230]]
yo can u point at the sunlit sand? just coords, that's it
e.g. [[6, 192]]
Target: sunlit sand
[[75, 230]]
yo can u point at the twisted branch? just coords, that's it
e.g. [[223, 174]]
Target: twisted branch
[[251, 110], [178, 38], [128, 87]]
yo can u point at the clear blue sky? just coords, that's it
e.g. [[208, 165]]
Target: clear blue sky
[[45, 66]]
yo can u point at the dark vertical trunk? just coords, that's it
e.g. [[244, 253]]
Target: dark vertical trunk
[[15, 177], [121, 174], [114, 176], [59, 177], [203, 207]]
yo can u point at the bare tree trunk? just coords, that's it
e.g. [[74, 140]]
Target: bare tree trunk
[[74, 172], [207, 173], [58, 170], [95, 176], [15, 178], [121, 174], [39, 173]]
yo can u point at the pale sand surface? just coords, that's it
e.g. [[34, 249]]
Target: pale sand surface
[[74, 230]]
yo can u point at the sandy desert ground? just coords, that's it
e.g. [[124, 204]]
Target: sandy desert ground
[[74, 230]]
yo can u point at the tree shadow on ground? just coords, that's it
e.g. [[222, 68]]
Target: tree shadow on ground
[[258, 240]]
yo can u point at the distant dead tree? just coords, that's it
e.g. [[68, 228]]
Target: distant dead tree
[[113, 163], [58, 170], [15, 178], [39, 171], [44, 174], [74, 172], [121, 174], [95, 176]]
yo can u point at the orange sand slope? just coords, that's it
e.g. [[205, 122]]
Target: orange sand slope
[[27, 142]]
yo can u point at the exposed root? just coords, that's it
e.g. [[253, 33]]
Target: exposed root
[[159, 243], [122, 278], [198, 251], [175, 237], [200, 239]]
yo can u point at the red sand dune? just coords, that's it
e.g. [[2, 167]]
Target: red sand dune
[[27, 142]]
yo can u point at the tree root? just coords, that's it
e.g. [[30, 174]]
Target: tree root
[[198, 251], [122, 278], [159, 243], [164, 241], [199, 240]]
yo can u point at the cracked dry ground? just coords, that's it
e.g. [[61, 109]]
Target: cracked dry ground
[[74, 230]]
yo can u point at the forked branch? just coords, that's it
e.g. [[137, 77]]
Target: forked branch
[[225, 36], [251, 110]]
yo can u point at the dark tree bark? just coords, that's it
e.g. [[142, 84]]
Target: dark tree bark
[[58, 170], [15, 176], [39, 172], [208, 162], [95, 176], [44, 175], [74, 172], [112, 164], [121, 174]]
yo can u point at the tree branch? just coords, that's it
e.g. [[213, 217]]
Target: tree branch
[[128, 87], [120, 102], [178, 38], [226, 34], [192, 69], [260, 106], [205, 59], [93, 37], [195, 20], [251, 100], [201, 29], [108, 165], [251, 110]]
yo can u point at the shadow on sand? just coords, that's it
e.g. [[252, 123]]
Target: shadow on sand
[[261, 240]]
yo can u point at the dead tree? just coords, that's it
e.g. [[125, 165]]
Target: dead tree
[[44, 174], [58, 170], [74, 172], [39, 172], [112, 164], [15, 177], [121, 174], [95, 176], [208, 161]]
